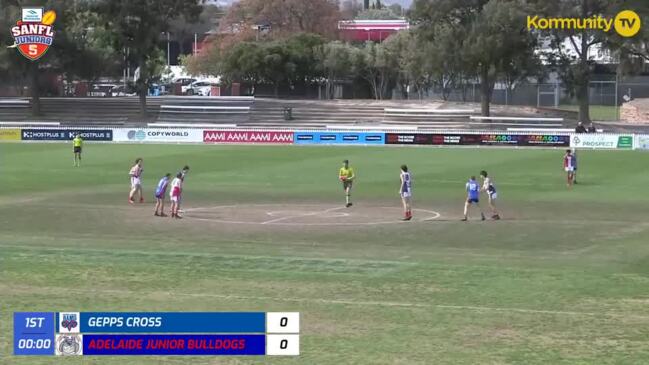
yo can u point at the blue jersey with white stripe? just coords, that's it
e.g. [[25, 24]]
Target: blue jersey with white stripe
[[473, 189], [162, 186]]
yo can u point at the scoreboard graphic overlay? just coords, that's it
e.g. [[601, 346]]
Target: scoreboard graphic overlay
[[157, 333]]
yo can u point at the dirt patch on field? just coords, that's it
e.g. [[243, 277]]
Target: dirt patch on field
[[303, 215]]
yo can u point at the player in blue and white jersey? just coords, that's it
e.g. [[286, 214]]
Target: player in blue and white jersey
[[160, 192], [405, 191], [489, 187], [473, 197]]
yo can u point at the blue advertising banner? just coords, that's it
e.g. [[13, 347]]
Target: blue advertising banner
[[34, 333], [66, 134], [171, 322], [174, 345], [305, 137]]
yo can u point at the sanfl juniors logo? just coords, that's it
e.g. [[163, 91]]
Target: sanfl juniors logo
[[33, 34]]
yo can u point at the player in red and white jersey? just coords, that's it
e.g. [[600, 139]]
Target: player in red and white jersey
[[136, 181], [175, 194], [568, 167]]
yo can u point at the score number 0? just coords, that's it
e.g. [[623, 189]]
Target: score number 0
[[283, 336]]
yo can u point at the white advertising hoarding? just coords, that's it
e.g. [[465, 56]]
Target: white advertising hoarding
[[173, 135]]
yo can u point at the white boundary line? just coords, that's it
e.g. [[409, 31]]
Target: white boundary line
[[281, 220], [369, 303]]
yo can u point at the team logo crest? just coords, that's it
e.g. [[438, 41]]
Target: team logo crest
[[69, 322], [34, 34], [69, 345]]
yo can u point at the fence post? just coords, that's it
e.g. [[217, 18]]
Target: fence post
[[617, 105]]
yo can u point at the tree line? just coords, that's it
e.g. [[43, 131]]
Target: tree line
[[451, 44], [295, 42]]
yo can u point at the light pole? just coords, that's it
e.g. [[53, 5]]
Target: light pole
[[168, 53]]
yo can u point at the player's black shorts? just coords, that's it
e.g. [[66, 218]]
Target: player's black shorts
[[77, 150], [471, 201], [347, 184]]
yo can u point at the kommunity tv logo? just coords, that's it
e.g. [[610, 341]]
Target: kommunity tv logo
[[626, 23]]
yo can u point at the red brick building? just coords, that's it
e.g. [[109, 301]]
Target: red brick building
[[370, 30]]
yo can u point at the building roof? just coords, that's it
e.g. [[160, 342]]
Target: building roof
[[370, 25]]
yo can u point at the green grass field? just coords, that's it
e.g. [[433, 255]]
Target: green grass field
[[562, 279]]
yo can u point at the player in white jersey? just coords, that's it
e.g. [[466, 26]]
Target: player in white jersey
[[490, 188], [405, 190], [175, 195], [182, 172], [136, 183]]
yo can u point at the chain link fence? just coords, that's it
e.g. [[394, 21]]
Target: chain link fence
[[606, 97]]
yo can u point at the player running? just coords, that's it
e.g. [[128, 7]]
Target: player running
[[405, 190], [160, 192], [346, 176], [569, 167], [77, 143], [473, 197], [489, 187], [136, 182], [175, 194]]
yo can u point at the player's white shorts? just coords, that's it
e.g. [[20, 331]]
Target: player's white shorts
[[135, 182], [406, 194], [570, 169], [174, 198], [493, 196]]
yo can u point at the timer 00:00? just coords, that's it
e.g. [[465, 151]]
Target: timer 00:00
[[28, 343]]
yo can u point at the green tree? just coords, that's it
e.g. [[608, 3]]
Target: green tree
[[633, 51], [571, 49], [398, 46], [137, 25], [336, 60], [379, 14], [277, 66], [302, 51], [243, 62], [80, 48], [490, 34], [416, 63]]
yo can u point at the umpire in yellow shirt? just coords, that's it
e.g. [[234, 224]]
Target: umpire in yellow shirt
[[77, 143], [346, 176]]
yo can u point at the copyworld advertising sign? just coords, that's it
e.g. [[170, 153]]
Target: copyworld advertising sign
[[172, 135], [626, 23], [602, 141], [33, 34]]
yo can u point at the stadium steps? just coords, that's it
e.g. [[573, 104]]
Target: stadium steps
[[126, 110], [331, 112], [259, 112]]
